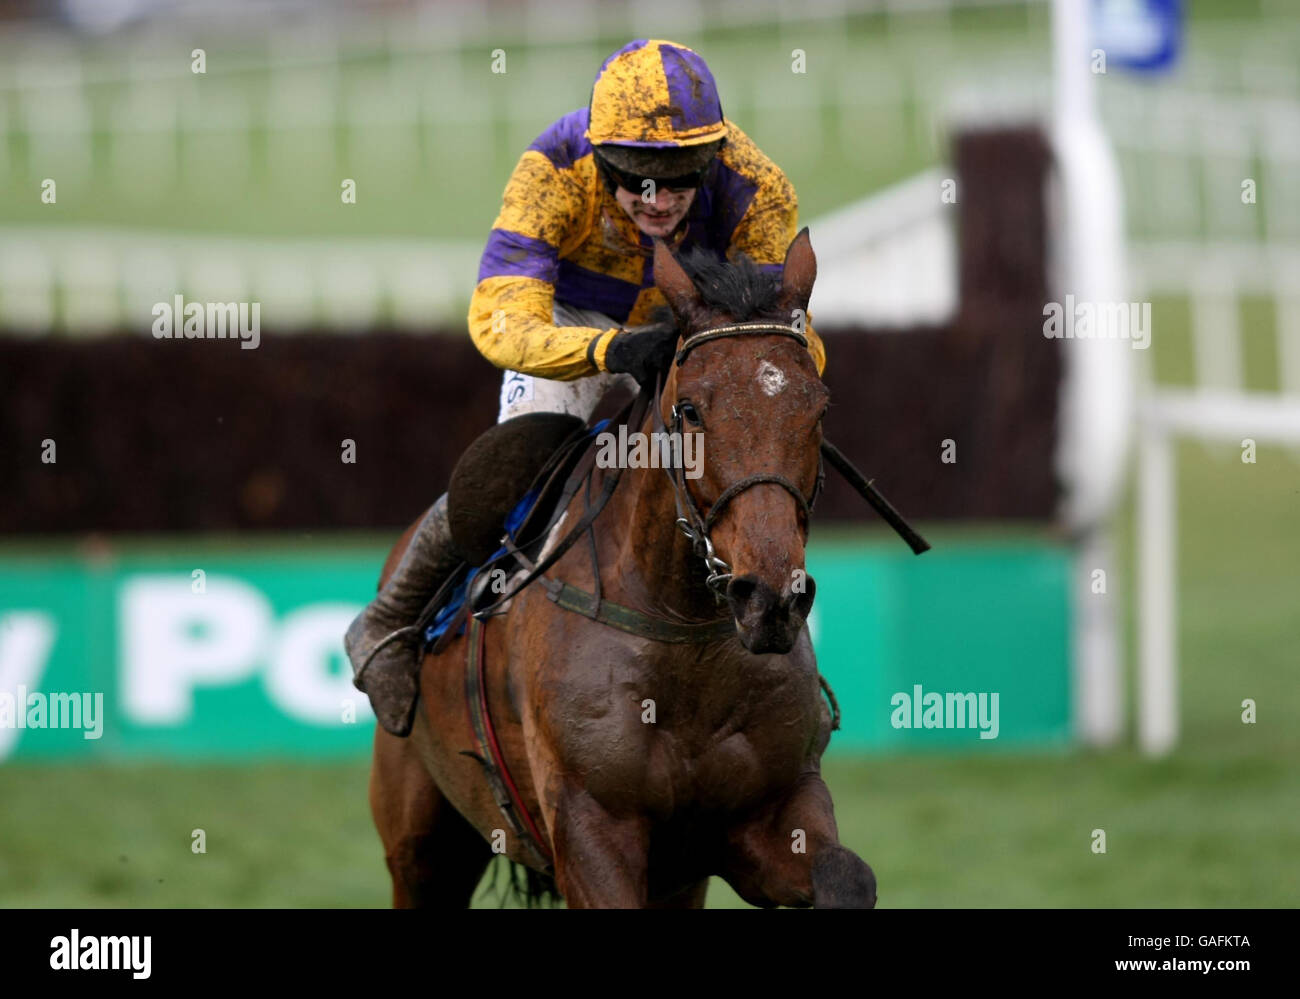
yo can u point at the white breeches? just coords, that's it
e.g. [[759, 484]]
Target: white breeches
[[522, 393]]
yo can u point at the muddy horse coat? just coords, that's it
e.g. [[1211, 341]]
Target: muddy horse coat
[[639, 767]]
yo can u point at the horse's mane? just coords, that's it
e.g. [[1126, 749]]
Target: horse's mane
[[739, 288]]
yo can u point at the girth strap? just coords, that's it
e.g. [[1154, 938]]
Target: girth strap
[[489, 753]]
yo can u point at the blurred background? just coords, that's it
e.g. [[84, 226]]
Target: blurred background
[[1115, 543]]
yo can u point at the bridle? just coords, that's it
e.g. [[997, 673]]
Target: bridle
[[696, 526], [622, 618]]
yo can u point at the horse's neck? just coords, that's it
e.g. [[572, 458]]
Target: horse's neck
[[646, 561]]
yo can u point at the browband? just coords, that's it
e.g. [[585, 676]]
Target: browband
[[738, 329]]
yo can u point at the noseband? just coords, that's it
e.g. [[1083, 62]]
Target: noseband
[[695, 526]]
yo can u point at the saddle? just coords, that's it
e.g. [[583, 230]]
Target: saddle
[[499, 469], [505, 492]]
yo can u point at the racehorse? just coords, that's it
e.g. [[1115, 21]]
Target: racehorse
[[653, 714]]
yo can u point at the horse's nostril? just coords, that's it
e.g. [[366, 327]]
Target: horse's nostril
[[741, 588], [752, 601], [800, 598]]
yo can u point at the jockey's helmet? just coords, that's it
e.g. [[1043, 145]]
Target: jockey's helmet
[[655, 111]]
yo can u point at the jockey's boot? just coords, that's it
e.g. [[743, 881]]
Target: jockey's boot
[[383, 643]]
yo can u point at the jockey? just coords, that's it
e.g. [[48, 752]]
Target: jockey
[[566, 283]]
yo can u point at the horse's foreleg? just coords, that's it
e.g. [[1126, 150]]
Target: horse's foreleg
[[435, 857], [600, 860], [790, 854]]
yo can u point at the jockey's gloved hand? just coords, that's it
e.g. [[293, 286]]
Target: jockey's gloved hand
[[642, 351]]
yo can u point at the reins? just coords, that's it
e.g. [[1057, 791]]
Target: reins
[[829, 451], [581, 474], [695, 525], [697, 528]]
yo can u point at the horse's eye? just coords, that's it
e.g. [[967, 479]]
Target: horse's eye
[[688, 412]]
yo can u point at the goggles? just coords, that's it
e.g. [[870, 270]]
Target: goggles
[[636, 184]]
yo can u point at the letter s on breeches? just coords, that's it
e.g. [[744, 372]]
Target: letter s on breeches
[[522, 393]]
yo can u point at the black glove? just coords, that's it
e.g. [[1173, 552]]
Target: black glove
[[642, 351]]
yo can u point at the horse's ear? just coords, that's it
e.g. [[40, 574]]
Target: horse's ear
[[678, 288], [799, 273]]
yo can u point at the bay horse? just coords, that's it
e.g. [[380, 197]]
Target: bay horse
[[640, 766]]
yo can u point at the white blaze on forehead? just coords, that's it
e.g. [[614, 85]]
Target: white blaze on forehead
[[771, 378]]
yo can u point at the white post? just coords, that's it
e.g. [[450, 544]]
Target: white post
[[1097, 390], [1074, 91], [1098, 700], [1157, 572]]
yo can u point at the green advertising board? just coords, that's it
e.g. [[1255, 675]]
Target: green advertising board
[[236, 653], [895, 633]]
